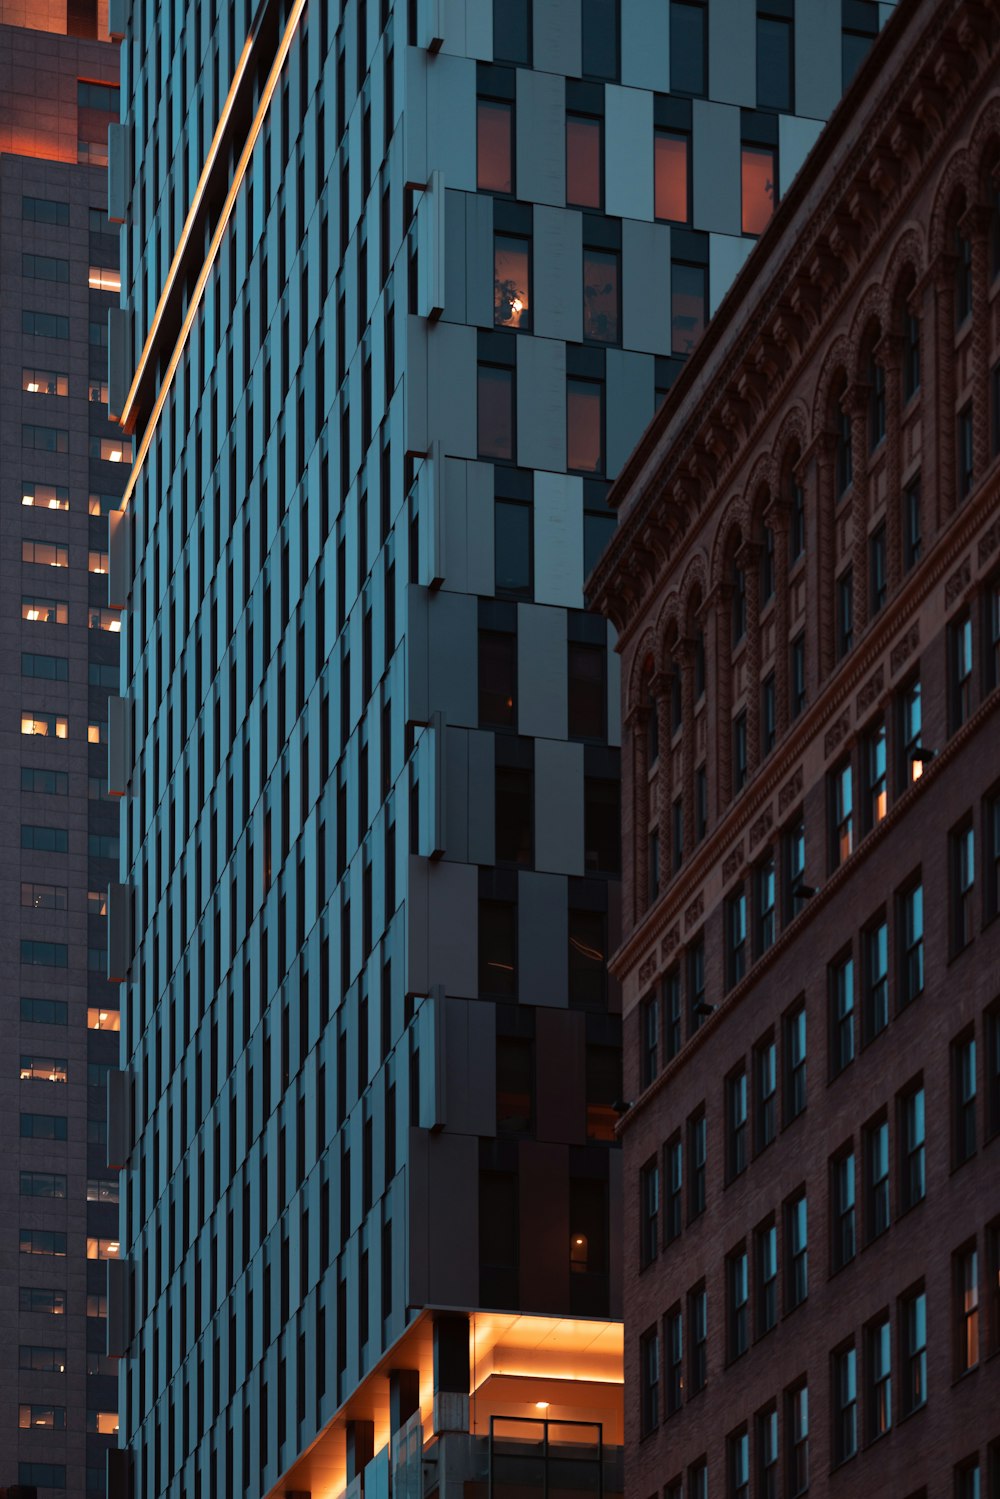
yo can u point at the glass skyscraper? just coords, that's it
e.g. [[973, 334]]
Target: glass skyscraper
[[402, 286]]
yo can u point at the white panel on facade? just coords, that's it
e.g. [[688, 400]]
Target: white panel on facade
[[541, 671], [732, 51], [645, 286], [796, 139], [558, 273], [557, 37], [817, 58], [451, 120], [715, 155], [628, 152], [726, 256], [630, 402], [119, 557], [541, 137], [559, 540], [415, 385], [541, 403], [543, 932], [431, 248], [646, 45]]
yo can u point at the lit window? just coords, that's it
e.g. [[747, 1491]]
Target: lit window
[[97, 733], [105, 619], [511, 295], [45, 611], [44, 383], [43, 897], [760, 188], [103, 1249], [103, 504], [494, 155], [104, 278], [45, 496], [670, 176], [111, 449], [105, 1423], [688, 305], [97, 903], [97, 562], [600, 295], [104, 1020], [99, 1190], [584, 426], [97, 390], [43, 1070], [44, 554], [48, 725], [41, 1417], [583, 161]]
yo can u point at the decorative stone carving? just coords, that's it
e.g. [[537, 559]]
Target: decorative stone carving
[[762, 826], [695, 911], [869, 692], [836, 734], [647, 968], [957, 583], [904, 648], [789, 791], [669, 944], [989, 541], [732, 863]]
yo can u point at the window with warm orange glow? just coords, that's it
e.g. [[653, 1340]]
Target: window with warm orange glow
[[103, 1020], [97, 733], [105, 619], [584, 426], [495, 401], [45, 611], [111, 449], [670, 177], [44, 383], [105, 1423], [494, 146], [44, 554], [103, 1249], [45, 496], [43, 1070], [760, 187], [104, 278], [688, 305], [583, 161], [97, 903], [97, 562], [48, 725], [601, 295], [511, 284], [97, 391]]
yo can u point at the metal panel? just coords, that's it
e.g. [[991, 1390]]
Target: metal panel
[[541, 671], [558, 274], [118, 1333], [543, 937], [646, 45], [117, 19], [796, 139], [119, 748], [726, 256], [541, 137], [451, 119], [732, 52], [630, 403], [541, 403], [628, 152], [431, 241], [119, 1144], [646, 286], [119, 932], [559, 540], [118, 173], [479, 260], [433, 1073], [451, 388], [557, 35], [415, 110], [716, 158], [119, 558], [558, 807], [817, 58]]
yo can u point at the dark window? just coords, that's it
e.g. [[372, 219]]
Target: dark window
[[599, 49], [964, 452], [775, 64], [843, 1210], [768, 714], [688, 298], [844, 1380], [845, 613], [797, 663], [587, 690], [841, 983], [766, 1263], [765, 1082], [674, 1338], [794, 1062], [878, 582], [759, 174], [513, 548], [671, 1014], [736, 1124], [583, 161], [876, 402], [736, 937], [911, 524], [698, 1337], [514, 816], [959, 670], [671, 176], [494, 146], [963, 876], [598, 529], [991, 832], [698, 1009], [587, 959], [601, 296], [797, 526], [739, 751], [498, 948], [796, 1252], [991, 634], [767, 1454], [700, 803], [511, 282], [911, 355], [738, 1303], [496, 411], [697, 1158], [844, 451], [911, 943], [876, 1167], [673, 1170], [512, 32], [966, 1283], [515, 1085], [963, 1096], [649, 1212], [878, 1378], [649, 1039], [913, 1349], [497, 678], [688, 48], [600, 824], [603, 1091], [649, 1381], [585, 426], [498, 1238], [856, 40], [912, 1147], [876, 978], [963, 278], [738, 1465]]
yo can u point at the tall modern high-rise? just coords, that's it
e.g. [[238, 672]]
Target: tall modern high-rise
[[402, 286], [61, 471]]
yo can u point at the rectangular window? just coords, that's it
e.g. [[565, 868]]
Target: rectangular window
[[671, 176], [740, 751], [738, 1465], [765, 904], [912, 1136], [44, 267], [963, 877], [797, 1440], [912, 1323], [688, 48], [993, 1086], [514, 815], [843, 1214], [736, 937], [760, 187], [966, 1281], [736, 1124], [674, 1338], [583, 161], [513, 548], [797, 666], [959, 671], [498, 948], [649, 1381], [36, 382], [601, 296], [878, 580], [497, 677], [796, 1252], [44, 211], [794, 859], [794, 1047], [44, 554], [494, 146], [845, 613], [911, 765], [775, 64], [585, 426], [599, 44], [43, 1069], [42, 1184], [876, 978], [841, 991], [991, 635], [911, 524], [601, 825], [44, 324], [698, 1010], [876, 1164], [649, 1212], [48, 725], [964, 452], [45, 496], [963, 1095], [844, 1381], [511, 282], [698, 1336], [672, 1014], [766, 1262], [767, 1453], [697, 1157], [673, 1167], [688, 301], [765, 1067], [876, 786], [841, 814], [649, 1039], [768, 714]]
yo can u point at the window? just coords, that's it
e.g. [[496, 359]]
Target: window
[[736, 1124], [767, 1453], [43, 1241], [960, 670], [44, 324], [585, 426], [841, 983], [603, 1088], [598, 528], [736, 936], [672, 1014], [913, 1349], [587, 695], [966, 1271], [513, 549], [601, 824], [674, 1337], [876, 794], [797, 664], [964, 452], [738, 1464], [993, 1084], [698, 1479], [601, 295], [511, 282], [46, 668], [36, 1069], [512, 32], [47, 725], [498, 948], [797, 1252], [103, 1020], [36, 382], [494, 146], [44, 211], [583, 161], [698, 1332], [797, 1439], [876, 996], [44, 840], [44, 1417], [514, 1085], [842, 813], [42, 1475], [911, 354], [760, 187], [911, 766], [794, 1026], [587, 954], [878, 582], [963, 876], [765, 1065], [911, 524], [844, 1240], [766, 1260], [103, 1249], [649, 1212], [698, 1009], [104, 619], [794, 853], [43, 1127], [42, 1184], [797, 524], [44, 439], [514, 816], [768, 714], [47, 782], [697, 1156], [688, 301], [912, 1148], [649, 1381], [878, 1352], [673, 1157], [967, 1479], [45, 496], [876, 1138], [991, 635], [845, 613], [495, 401], [963, 1085], [671, 176], [599, 48], [688, 48], [844, 457], [46, 1302], [44, 554], [44, 267], [764, 904], [775, 64], [845, 1404], [649, 1036], [497, 678], [739, 751]]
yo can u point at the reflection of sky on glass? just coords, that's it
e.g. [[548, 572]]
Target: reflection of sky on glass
[[600, 296], [687, 306]]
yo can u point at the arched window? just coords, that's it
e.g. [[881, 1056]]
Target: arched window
[[963, 277], [911, 350], [738, 580], [652, 724], [766, 564], [842, 429], [993, 203], [796, 500], [876, 400]]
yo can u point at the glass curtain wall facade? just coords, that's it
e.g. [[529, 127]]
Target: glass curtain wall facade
[[402, 287]]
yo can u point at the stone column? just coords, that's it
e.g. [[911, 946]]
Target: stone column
[[976, 225], [660, 687], [889, 352], [856, 403], [638, 732], [716, 614], [825, 454], [748, 558], [777, 517], [941, 478], [687, 649]]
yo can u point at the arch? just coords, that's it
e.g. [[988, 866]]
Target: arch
[[670, 617], [694, 585], [731, 530], [836, 368], [906, 262], [645, 663], [956, 191], [793, 433], [761, 481]]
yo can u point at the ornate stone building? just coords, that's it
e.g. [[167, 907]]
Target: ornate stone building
[[806, 585]]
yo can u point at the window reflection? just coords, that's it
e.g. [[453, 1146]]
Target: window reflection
[[600, 295], [511, 297], [496, 411], [583, 161], [688, 305], [759, 188], [584, 445], [670, 176], [494, 120]]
